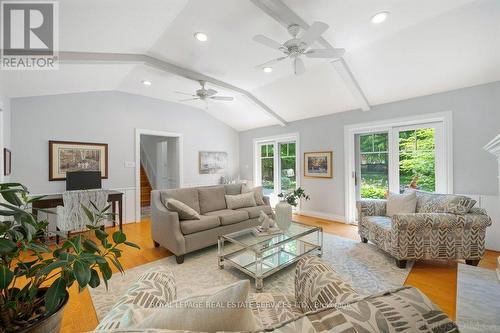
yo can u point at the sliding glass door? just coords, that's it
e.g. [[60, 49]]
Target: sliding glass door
[[398, 158], [277, 167]]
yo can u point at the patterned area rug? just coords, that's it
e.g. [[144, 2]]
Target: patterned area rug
[[478, 295], [367, 269]]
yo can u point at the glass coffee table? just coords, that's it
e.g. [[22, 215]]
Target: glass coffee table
[[262, 256]]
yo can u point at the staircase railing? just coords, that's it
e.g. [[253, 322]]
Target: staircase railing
[[149, 168]]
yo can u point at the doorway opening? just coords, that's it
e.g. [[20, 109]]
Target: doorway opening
[[158, 166]]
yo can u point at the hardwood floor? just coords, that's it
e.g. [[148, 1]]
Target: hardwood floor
[[437, 279]]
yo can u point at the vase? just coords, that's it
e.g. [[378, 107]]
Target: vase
[[283, 215]]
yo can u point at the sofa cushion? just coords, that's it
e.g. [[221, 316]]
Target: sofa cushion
[[257, 192], [443, 203], [153, 289], [204, 223], [189, 196], [212, 310], [185, 212], [318, 286], [240, 200], [254, 212], [233, 189], [229, 216], [212, 198], [401, 203]]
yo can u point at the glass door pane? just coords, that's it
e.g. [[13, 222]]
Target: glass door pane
[[288, 172], [373, 168], [267, 168], [417, 159]]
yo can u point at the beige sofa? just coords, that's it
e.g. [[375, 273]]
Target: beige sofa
[[184, 236]]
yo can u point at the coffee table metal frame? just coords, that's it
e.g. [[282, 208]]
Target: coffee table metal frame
[[261, 248]]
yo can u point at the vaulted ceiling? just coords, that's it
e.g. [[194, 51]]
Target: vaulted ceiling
[[424, 47]]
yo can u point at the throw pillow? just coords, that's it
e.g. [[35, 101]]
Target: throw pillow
[[257, 191], [240, 200], [401, 203], [428, 202], [213, 310], [185, 212]]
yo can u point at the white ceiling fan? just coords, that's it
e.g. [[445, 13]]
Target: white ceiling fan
[[299, 46], [204, 94]]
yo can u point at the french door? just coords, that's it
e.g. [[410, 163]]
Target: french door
[[276, 167], [393, 158]]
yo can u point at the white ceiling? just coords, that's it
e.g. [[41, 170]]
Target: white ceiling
[[424, 47]]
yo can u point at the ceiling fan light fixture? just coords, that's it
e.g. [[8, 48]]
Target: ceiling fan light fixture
[[267, 69], [146, 82], [380, 17], [201, 36]]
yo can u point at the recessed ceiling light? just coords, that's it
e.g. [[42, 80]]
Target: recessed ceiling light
[[146, 82], [379, 17], [202, 37], [267, 69]]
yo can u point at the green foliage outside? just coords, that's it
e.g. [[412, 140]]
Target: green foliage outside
[[416, 158], [287, 159]]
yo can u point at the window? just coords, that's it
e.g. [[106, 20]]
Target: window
[[267, 168], [288, 166], [374, 165], [276, 166], [417, 159], [391, 156]]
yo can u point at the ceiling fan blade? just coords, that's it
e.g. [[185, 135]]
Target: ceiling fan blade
[[269, 63], [267, 42], [183, 93], [211, 92], [222, 98], [325, 53], [298, 66], [313, 33], [189, 99]]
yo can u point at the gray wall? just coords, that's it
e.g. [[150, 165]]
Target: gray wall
[[476, 120], [110, 117]]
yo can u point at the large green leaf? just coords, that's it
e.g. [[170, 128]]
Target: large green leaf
[[88, 213], [106, 271], [101, 235], [119, 237], [95, 281], [6, 246], [50, 267], [132, 245], [82, 273], [90, 246], [6, 276], [55, 293]]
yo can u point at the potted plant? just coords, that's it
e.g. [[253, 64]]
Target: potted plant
[[35, 277], [284, 207]]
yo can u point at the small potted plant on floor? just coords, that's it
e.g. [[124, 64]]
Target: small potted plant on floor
[[284, 207], [35, 277]]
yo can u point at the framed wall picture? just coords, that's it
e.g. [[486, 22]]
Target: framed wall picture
[[318, 164], [7, 162], [212, 161], [66, 156]]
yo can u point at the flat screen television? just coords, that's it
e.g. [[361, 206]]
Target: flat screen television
[[83, 180]]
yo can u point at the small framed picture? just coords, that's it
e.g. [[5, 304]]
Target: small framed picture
[[7, 162], [66, 156], [318, 164]]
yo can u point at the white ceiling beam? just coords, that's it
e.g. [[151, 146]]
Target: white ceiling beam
[[131, 58], [285, 16]]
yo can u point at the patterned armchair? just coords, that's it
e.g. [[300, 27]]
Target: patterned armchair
[[443, 227]]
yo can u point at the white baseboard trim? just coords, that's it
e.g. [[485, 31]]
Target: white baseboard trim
[[323, 215]]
